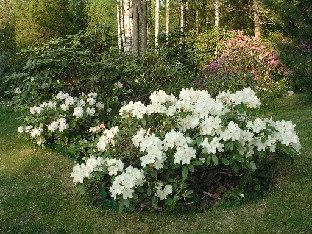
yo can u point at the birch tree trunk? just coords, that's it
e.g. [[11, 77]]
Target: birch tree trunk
[[144, 27], [182, 20], [135, 27], [256, 19], [167, 18], [182, 9], [127, 21], [197, 17], [156, 22], [119, 26], [217, 13]]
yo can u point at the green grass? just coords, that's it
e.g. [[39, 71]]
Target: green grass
[[38, 196]]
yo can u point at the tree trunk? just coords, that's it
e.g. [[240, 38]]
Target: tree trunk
[[144, 28], [256, 19], [167, 18], [197, 17], [156, 22], [182, 20], [127, 21], [135, 27], [217, 13], [119, 26]]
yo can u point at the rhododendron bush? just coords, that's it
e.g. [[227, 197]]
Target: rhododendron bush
[[245, 61], [162, 154], [66, 121]]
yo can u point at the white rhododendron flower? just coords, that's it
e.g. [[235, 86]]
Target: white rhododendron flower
[[118, 85], [163, 191], [52, 127], [213, 146], [20, 129], [62, 124], [81, 103], [107, 138], [92, 95], [137, 109], [35, 132], [69, 101], [100, 105], [125, 183], [90, 111], [84, 170], [62, 95], [64, 107], [91, 101], [35, 110], [28, 128], [78, 112], [114, 166]]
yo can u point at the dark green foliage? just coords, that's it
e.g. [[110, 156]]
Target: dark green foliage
[[297, 56], [37, 21], [89, 61]]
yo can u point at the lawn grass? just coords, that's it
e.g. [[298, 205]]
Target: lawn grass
[[38, 196]]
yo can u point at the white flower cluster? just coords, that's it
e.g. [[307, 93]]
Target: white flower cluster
[[205, 114], [163, 191], [60, 124], [84, 170], [125, 183], [199, 103], [107, 138], [86, 105], [33, 133]]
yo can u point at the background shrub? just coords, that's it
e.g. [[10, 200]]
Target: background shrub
[[243, 61]]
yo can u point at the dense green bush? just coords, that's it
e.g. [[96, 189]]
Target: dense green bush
[[297, 57], [89, 62]]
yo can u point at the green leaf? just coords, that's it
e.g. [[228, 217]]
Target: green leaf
[[81, 189], [169, 201], [225, 161], [184, 173], [154, 173], [208, 160], [155, 202], [197, 163], [240, 159], [191, 168], [143, 121], [215, 160], [149, 192], [126, 203], [199, 140]]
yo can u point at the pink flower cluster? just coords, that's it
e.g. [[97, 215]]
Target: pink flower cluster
[[243, 54]]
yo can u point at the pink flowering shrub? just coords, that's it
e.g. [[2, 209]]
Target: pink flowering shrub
[[245, 61]]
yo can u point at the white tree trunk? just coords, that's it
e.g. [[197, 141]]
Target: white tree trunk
[[156, 22], [135, 26], [217, 13], [144, 27], [119, 26], [182, 21], [256, 19], [167, 18], [127, 23]]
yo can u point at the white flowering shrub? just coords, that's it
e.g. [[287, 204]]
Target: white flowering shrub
[[161, 153], [66, 121]]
